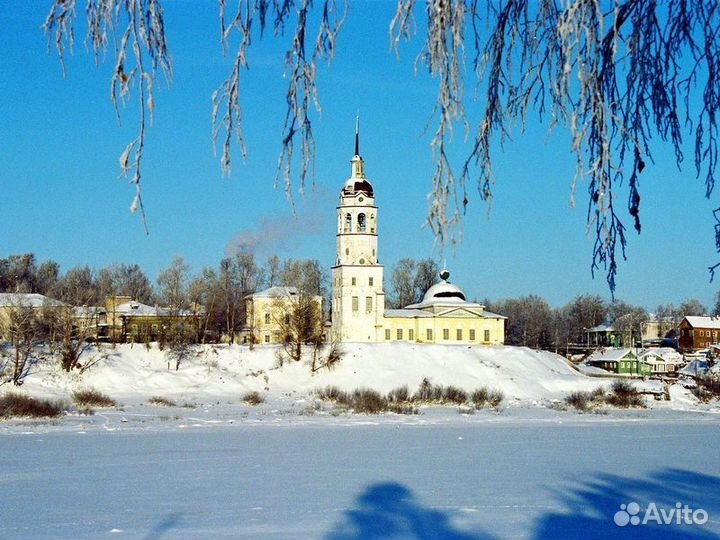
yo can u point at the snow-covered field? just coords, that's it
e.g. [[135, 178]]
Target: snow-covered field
[[286, 470]]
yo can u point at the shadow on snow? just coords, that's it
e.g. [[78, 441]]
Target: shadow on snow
[[390, 511]]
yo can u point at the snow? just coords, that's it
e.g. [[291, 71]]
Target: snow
[[134, 372], [213, 467], [532, 473]]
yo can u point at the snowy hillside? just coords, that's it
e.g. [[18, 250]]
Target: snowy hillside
[[217, 371]]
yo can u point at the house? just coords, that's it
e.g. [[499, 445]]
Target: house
[[358, 298], [698, 332], [662, 361], [269, 314], [622, 361], [90, 322], [135, 322], [606, 335], [39, 303]]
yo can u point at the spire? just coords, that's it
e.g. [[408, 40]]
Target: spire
[[358, 169], [357, 134]]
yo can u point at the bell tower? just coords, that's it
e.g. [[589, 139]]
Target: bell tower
[[358, 299]]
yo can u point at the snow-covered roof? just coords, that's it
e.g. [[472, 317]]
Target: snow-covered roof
[[87, 311], [604, 327], [407, 313], [703, 322], [668, 354], [358, 185], [137, 309], [491, 315], [275, 292], [695, 367], [34, 300], [609, 355]]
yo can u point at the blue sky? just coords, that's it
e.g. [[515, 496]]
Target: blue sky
[[63, 200]]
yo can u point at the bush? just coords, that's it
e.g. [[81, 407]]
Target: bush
[[253, 398], [368, 401], [453, 394], [579, 400], [91, 398], [624, 394], [496, 397], [159, 400], [18, 405], [702, 393], [403, 408], [400, 394], [425, 392], [484, 397], [334, 394]]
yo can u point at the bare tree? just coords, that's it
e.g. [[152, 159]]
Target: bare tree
[[299, 318], [22, 327], [403, 283]]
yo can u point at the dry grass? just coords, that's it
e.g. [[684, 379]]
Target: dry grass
[[253, 398], [162, 401], [18, 405], [91, 398]]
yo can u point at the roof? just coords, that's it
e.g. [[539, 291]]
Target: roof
[[668, 354], [609, 355], [703, 322], [34, 300], [87, 311], [137, 309], [358, 185], [604, 327], [407, 313], [275, 292]]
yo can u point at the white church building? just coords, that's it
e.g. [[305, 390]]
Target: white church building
[[358, 298]]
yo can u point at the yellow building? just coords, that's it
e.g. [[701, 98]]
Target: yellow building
[[271, 314], [358, 298], [131, 321], [444, 316]]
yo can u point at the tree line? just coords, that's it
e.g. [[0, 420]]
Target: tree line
[[533, 323], [217, 295]]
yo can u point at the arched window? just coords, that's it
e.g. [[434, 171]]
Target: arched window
[[361, 222], [348, 223]]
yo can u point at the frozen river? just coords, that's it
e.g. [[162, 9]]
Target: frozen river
[[549, 476]]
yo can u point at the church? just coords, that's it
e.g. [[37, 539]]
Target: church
[[358, 299]]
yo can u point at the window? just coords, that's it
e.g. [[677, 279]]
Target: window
[[428, 334], [487, 335], [472, 334], [368, 304], [459, 334], [353, 281], [348, 223], [371, 281], [267, 318], [355, 303], [411, 334], [287, 318], [446, 333], [387, 334], [267, 338], [399, 333], [362, 223], [707, 333]]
